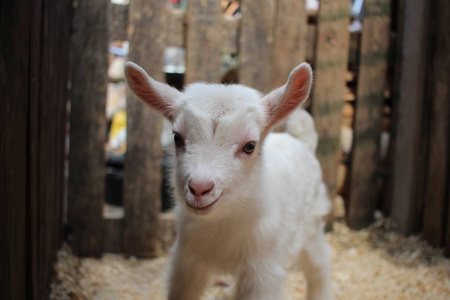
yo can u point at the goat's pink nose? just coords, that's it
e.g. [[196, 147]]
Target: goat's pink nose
[[201, 187]]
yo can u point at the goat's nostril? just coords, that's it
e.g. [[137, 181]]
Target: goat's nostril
[[191, 189], [208, 189], [200, 188]]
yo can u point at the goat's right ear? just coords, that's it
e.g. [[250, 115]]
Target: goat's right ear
[[158, 95], [284, 100]]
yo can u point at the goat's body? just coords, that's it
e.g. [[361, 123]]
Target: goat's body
[[249, 202], [273, 225]]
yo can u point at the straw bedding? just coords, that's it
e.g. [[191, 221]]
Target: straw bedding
[[375, 263]]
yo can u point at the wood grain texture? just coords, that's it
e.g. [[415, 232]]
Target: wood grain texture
[[410, 127], [14, 75], [330, 67], [117, 21], [368, 115], [256, 42], [447, 227], [311, 36], [49, 75], [89, 64], [34, 129], [142, 185], [289, 48], [113, 237], [175, 28], [438, 169], [34, 47], [230, 27], [203, 41], [444, 18]]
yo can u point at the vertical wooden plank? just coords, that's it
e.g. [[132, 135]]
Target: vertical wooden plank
[[230, 26], [142, 185], [409, 152], [445, 11], [51, 101], [330, 67], [89, 63], [368, 114], [438, 171], [175, 28], [31, 134], [14, 87], [203, 56], [289, 47], [34, 262], [447, 228], [397, 20], [112, 241], [311, 37], [117, 21], [256, 41]]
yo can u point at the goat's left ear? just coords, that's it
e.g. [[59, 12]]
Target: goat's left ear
[[160, 96], [284, 100]]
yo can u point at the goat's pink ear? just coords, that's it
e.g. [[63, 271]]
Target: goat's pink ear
[[284, 100], [158, 95]]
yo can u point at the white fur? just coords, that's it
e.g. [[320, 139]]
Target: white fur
[[301, 125], [271, 202]]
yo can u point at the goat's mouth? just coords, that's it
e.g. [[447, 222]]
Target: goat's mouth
[[201, 210]]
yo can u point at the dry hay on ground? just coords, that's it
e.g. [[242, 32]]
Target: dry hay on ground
[[375, 263]]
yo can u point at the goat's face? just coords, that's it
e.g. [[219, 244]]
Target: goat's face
[[218, 134]]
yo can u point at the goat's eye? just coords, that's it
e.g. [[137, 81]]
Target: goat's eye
[[249, 147], [178, 139]]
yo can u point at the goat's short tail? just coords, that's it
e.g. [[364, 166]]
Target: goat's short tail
[[301, 125]]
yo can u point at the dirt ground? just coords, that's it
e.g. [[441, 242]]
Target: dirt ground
[[375, 263]]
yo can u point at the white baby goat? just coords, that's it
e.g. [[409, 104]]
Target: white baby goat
[[250, 202]]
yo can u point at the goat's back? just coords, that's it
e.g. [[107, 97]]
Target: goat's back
[[292, 185]]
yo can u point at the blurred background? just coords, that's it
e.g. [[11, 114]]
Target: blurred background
[[83, 162]]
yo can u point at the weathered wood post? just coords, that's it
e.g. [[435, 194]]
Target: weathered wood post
[[330, 67], [289, 48], [142, 185], [118, 21], [34, 58], [89, 64], [272, 41], [364, 175], [409, 143], [437, 193], [256, 43], [203, 42]]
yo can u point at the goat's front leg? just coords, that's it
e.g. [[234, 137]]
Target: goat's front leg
[[187, 279], [315, 262], [261, 281]]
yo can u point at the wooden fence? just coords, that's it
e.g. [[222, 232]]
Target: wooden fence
[[388, 84], [391, 80], [34, 69], [419, 184]]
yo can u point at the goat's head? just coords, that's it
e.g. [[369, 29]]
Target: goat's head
[[218, 133]]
